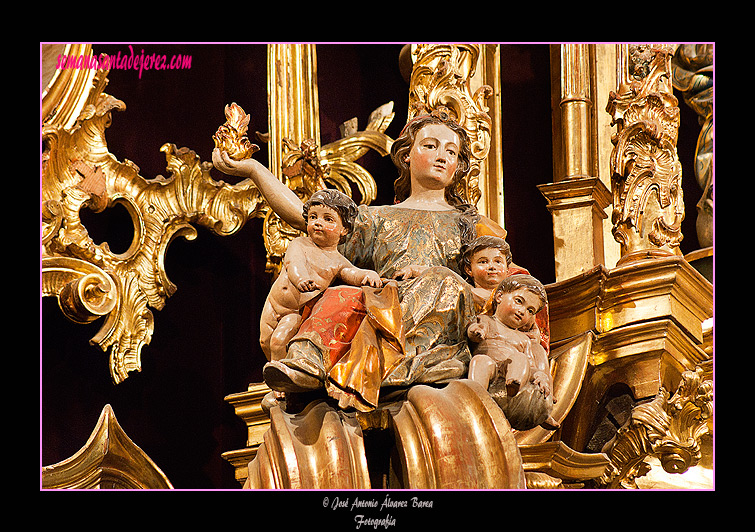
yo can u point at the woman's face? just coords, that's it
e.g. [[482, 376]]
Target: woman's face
[[434, 157]]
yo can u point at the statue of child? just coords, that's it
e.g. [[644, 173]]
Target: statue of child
[[507, 361], [311, 264]]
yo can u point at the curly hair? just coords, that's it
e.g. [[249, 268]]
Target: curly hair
[[402, 186], [521, 280], [336, 200], [484, 242]]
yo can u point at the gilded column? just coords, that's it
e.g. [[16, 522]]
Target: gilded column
[[646, 175], [491, 173], [577, 198], [577, 110], [293, 122], [652, 312], [293, 98]]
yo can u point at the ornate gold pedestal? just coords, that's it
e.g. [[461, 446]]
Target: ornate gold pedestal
[[247, 406], [452, 437], [652, 325], [647, 318]]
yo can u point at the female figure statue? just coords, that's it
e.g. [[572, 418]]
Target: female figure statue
[[355, 340]]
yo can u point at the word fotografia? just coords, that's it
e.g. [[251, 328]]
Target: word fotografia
[[127, 61], [374, 522]]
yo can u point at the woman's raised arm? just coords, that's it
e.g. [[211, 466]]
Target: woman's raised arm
[[281, 199]]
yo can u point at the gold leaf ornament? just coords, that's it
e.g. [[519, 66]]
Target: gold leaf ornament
[[231, 136]]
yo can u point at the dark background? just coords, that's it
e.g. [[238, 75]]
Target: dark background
[[204, 346]]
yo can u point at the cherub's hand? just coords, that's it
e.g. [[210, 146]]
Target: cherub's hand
[[372, 279], [543, 382], [476, 331], [533, 332], [307, 285]]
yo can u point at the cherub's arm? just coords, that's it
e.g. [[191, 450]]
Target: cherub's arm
[[354, 276], [541, 374]]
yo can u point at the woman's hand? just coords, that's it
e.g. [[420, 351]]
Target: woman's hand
[[409, 272], [223, 162]]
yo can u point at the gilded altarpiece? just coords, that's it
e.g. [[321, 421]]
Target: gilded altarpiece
[[635, 317]]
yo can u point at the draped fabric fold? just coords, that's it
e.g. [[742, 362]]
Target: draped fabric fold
[[376, 349], [357, 339]]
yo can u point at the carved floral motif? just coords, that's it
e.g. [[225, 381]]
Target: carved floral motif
[[669, 427], [645, 170]]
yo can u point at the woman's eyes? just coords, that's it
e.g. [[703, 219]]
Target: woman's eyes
[[431, 145]]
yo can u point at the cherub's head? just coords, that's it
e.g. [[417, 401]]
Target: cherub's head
[[518, 299], [335, 204], [486, 260]]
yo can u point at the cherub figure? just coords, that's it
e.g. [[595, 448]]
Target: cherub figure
[[311, 264], [509, 362], [486, 261]]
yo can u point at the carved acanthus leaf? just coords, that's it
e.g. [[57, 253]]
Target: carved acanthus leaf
[[669, 427], [646, 172]]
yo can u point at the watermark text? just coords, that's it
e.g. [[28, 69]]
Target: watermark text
[[130, 60]]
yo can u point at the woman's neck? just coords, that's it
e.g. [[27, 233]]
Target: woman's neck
[[428, 200]]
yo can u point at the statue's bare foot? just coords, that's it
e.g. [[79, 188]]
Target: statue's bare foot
[[281, 378]]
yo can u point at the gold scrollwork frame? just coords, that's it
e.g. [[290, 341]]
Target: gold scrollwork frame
[[78, 171]]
